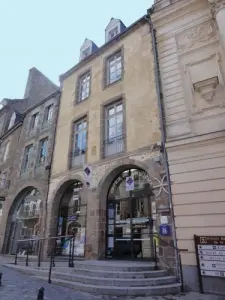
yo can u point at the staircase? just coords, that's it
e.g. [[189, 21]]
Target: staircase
[[114, 278]]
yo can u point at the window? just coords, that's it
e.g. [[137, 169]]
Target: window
[[5, 152], [114, 68], [86, 52], [48, 114], [112, 33], [114, 138], [84, 87], [26, 160], [34, 121], [80, 143], [3, 181], [43, 152], [12, 120], [1, 206]]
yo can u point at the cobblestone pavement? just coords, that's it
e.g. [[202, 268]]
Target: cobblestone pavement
[[17, 286]]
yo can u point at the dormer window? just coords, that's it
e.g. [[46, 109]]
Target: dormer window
[[112, 33], [86, 52], [12, 120], [87, 49], [114, 28]]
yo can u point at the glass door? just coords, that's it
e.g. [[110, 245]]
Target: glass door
[[141, 228], [129, 228]]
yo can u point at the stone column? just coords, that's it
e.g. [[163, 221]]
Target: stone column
[[218, 11]]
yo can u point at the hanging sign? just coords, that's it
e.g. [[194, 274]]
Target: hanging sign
[[210, 255], [129, 183], [88, 174]]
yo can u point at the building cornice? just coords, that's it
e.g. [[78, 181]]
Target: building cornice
[[198, 139], [174, 11], [216, 6]]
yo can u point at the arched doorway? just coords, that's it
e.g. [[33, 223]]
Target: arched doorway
[[129, 217], [25, 222], [72, 220]]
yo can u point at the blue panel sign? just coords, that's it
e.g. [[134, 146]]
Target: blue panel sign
[[72, 218], [165, 230]]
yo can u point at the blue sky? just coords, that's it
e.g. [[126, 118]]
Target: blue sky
[[47, 34]]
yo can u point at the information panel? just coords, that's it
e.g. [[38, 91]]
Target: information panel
[[210, 255]]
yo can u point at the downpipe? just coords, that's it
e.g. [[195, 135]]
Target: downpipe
[[163, 133]]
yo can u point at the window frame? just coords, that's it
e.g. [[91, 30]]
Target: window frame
[[112, 30], [108, 59], [12, 121], [47, 121], [79, 86], [83, 151], [32, 126], [5, 151], [116, 137], [1, 207], [30, 146], [41, 143], [85, 55]]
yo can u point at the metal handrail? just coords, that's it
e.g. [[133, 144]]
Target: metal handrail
[[178, 253], [71, 258], [52, 259], [49, 238], [40, 249]]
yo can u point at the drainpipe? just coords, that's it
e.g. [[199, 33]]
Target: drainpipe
[[49, 168], [162, 121]]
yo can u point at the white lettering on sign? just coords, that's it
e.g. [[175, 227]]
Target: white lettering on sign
[[211, 247], [213, 273], [212, 257], [212, 265], [211, 252]]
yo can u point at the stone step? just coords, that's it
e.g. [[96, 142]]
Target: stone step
[[126, 282], [114, 266], [85, 272], [117, 290], [121, 274]]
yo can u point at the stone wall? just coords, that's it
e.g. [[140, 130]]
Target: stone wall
[[36, 176]]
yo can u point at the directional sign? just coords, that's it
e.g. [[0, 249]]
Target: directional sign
[[211, 247], [210, 252], [211, 257], [213, 273], [212, 265]]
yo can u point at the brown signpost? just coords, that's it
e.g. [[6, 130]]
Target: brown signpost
[[210, 256]]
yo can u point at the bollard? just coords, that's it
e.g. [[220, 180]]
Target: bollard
[[40, 295], [0, 279]]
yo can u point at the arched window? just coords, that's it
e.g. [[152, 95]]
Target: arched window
[[12, 120]]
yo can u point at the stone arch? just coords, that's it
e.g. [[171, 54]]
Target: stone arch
[[149, 166], [17, 201], [62, 187], [20, 192], [121, 165], [56, 197]]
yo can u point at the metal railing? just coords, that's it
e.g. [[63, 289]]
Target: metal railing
[[78, 157], [71, 239], [114, 145], [178, 253], [28, 246]]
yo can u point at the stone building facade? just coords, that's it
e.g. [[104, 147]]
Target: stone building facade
[[27, 141], [108, 180], [191, 51]]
